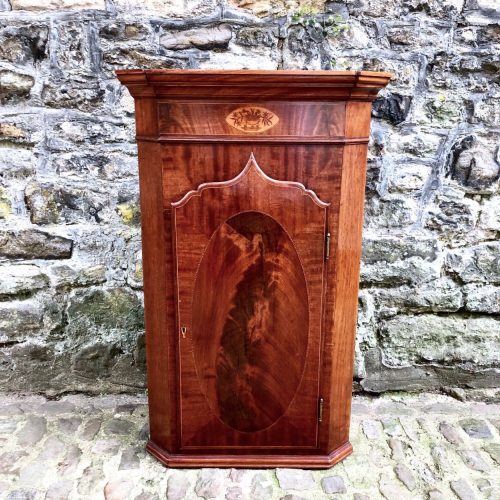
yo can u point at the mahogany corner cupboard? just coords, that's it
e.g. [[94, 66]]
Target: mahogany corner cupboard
[[252, 187]]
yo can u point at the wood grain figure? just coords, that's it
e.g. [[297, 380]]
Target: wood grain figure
[[252, 188]]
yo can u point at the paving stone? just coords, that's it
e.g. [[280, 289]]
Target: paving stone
[[60, 490], [90, 482], [118, 489], [494, 451], [295, 479], [130, 458], [392, 427], [462, 489], [8, 426], [20, 495], [292, 497], [147, 496], [70, 462], [32, 432], [32, 475], [52, 449], [237, 475], [390, 490], [91, 428], [127, 408], [235, 493], [398, 449], [106, 447], [450, 433], [473, 460], [371, 428], [360, 496], [177, 486], [333, 484], [406, 476], [11, 410], [56, 408], [118, 426], [477, 429], [485, 487], [210, 483], [69, 425], [144, 432], [9, 461], [261, 487], [436, 495]]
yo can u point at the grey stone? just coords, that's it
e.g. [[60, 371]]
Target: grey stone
[[482, 298], [494, 451], [462, 489], [394, 108], [34, 244], [70, 462], [32, 432], [119, 426], [292, 497], [9, 461], [91, 481], [450, 433], [371, 428], [261, 487], [130, 458], [485, 487], [106, 447], [333, 484], [52, 449], [473, 460], [360, 496], [21, 279], [69, 425], [117, 489], [234, 493], [406, 476], [205, 39], [20, 495], [177, 486], [441, 339], [59, 490], [210, 483], [295, 479], [476, 264], [477, 429], [91, 428], [399, 260], [14, 85], [398, 448]]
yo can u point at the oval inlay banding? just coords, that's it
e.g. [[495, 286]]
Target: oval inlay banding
[[252, 119], [250, 321]]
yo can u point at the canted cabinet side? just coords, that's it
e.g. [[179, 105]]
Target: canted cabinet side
[[252, 187]]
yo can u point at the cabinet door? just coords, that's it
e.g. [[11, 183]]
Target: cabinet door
[[250, 264]]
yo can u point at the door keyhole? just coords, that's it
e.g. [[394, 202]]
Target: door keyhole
[[183, 331]]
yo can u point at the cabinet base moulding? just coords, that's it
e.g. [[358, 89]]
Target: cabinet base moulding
[[250, 461]]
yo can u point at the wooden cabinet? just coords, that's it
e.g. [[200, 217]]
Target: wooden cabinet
[[252, 186]]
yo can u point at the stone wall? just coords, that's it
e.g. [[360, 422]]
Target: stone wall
[[71, 314]]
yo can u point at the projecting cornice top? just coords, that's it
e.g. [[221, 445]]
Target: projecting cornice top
[[254, 84]]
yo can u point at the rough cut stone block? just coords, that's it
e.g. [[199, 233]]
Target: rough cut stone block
[[14, 85], [479, 263], [57, 4], [426, 338], [19, 279], [295, 479], [34, 244], [205, 38]]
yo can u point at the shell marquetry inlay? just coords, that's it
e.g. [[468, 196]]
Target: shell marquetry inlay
[[252, 119]]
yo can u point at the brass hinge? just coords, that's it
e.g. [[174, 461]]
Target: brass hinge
[[320, 410], [327, 245]]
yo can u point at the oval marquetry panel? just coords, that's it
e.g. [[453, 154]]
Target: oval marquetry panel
[[252, 119], [250, 321]]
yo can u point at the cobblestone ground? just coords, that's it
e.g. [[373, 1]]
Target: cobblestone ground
[[427, 446]]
